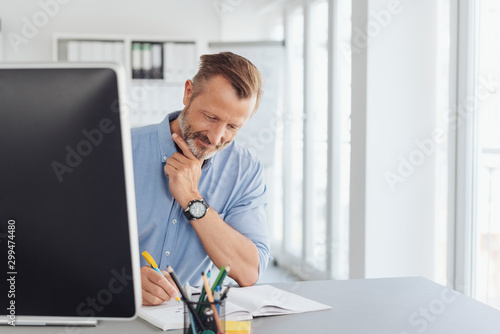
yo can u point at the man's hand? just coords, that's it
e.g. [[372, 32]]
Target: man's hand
[[183, 171], [156, 289]]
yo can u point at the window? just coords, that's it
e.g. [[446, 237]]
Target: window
[[486, 218], [293, 135], [442, 147], [317, 136], [477, 208], [315, 213]]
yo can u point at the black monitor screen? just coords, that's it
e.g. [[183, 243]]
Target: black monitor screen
[[65, 239]]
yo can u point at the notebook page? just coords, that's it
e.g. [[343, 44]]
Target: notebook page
[[265, 300]]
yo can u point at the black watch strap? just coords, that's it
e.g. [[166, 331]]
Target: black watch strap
[[188, 214]]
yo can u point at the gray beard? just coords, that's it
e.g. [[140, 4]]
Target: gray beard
[[190, 138]]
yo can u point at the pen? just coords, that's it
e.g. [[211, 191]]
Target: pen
[[217, 298], [224, 294], [153, 265], [186, 300], [211, 301]]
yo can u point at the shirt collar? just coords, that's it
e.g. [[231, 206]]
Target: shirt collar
[[167, 144]]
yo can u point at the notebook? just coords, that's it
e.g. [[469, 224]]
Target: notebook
[[241, 304]]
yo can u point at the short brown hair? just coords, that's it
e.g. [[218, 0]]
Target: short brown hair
[[239, 71]]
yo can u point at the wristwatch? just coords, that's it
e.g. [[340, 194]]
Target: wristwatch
[[196, 209]]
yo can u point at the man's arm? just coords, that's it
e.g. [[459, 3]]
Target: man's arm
[[223, 244]]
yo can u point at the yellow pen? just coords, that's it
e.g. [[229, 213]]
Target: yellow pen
[[153, 265]]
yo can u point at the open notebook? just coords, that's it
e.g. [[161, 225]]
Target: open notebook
[[241, 304]]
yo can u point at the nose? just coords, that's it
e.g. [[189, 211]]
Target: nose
[[217, 133]]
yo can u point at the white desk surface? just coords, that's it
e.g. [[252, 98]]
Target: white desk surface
[[366, 306]]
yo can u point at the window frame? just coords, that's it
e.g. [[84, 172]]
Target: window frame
[[463, 165], [299, 265]]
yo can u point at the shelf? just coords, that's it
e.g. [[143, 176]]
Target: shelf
[[174, 60]]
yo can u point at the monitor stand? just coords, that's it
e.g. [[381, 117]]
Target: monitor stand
[[50, 321]]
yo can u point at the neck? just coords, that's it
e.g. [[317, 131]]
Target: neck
[[175, 127]]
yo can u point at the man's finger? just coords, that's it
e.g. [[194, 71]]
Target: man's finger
[[168, 287], [177, 159], [148, 299], [183, 146], [174, 163], [158, 286], [172, 283], [153, 294]]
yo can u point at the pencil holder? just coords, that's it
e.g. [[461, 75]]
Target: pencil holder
[[212, 322]]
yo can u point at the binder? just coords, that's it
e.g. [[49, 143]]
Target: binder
[[108, 52], [86, 51], [73, 51], [119, 54], [136, 60], [169, 62], [146, 61], [191, 60], [96, 51], [157, 61]]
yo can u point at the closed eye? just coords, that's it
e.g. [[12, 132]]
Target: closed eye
[[210, 118]]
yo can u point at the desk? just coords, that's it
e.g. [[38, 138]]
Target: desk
[[365, 306]]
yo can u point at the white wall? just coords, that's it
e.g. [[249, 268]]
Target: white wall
[[181, 19], [400, 110], [249, 20]]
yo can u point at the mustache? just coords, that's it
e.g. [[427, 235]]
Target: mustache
[[203, 137]]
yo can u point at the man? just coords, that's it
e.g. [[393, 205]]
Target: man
[[201, 197]]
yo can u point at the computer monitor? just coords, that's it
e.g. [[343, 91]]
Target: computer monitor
[[68, 231]]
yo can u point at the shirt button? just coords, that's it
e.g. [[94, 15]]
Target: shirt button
[[164, 158], [167, 253], [174, 221]]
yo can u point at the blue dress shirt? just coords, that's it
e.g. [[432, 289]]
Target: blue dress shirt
[[231, 182]]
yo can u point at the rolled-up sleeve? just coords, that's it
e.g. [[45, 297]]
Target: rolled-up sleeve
[[248, 213]]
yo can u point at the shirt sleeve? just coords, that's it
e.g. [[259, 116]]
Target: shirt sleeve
[[248, 213]]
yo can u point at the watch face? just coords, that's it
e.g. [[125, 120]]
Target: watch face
[[197, 209]]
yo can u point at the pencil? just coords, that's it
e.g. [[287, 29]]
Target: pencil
[[212, 303], [170, 270], [222, 275], [223, 272]]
